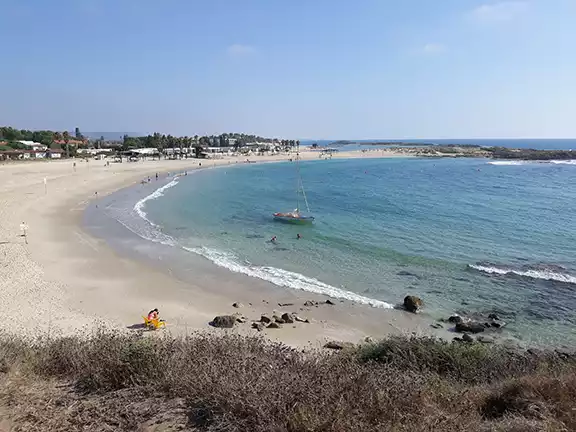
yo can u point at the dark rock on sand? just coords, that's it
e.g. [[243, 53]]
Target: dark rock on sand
[[274, 325], [277, 319], [224, 321], [287, 318], [467, 338], [456, 319], [285, 304], [310, 303], [470, 327], [413, 303], [240, 319], [329, 302], [436, 326], [237, 305], [338, 345], [265, 319], [258, 326]]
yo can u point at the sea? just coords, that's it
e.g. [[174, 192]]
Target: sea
[[468, 236]]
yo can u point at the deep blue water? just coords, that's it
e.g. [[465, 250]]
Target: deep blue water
[[540, 144], [464, 234]]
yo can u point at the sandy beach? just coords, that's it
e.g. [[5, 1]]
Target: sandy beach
[[60, 280]]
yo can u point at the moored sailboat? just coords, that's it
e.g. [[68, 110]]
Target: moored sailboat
[[295, 216]]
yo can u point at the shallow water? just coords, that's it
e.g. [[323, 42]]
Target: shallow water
[[465, 235]]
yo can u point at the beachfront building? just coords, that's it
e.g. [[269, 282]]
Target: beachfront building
[[141, 153], [17, 154], [32, 145], [96, 153]]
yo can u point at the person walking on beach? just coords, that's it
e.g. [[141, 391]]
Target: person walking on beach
[[24, 230]]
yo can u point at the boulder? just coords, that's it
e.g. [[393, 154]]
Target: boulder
[[467, 338], [237, 305], [223, 321], [265, 319], [413, 303], [258, 326], [456, 319], [310, 303], [470, 327], [300, 319], [329, 302], [338, 345], [497, 324], [274, 325], [493, 316], [485, 340], [277, 319], [287, 318]]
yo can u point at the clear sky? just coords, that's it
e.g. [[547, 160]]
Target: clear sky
[[292, 68]]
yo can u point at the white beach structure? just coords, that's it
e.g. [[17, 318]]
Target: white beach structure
[[32, 145]]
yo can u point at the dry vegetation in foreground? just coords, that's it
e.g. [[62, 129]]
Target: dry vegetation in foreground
[[113, 382]]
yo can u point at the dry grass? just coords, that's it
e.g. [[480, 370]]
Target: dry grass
[[112, 382]]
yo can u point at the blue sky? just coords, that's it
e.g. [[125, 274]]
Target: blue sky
[[298, 68]]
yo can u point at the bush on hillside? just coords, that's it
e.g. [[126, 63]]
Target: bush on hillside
[[232, 383]]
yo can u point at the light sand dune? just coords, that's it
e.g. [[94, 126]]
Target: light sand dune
[[63, 280]]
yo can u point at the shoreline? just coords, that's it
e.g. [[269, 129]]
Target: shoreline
[[66, 280]]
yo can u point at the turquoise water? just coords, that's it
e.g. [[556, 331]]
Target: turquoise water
[[465, 235], [537, 143]]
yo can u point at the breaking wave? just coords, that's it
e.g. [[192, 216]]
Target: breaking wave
[[139, 206], [526, 162], [283, 278], [507, 163], [541, 273]]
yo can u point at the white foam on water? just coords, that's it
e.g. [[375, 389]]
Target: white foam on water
[[525, 162], [534, 274], [507, 162], [563, 162], [139, 206], [283, 278]]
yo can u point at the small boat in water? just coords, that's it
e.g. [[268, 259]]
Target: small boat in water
[[295, 217]]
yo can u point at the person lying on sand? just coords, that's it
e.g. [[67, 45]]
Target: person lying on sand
[[153, 315]]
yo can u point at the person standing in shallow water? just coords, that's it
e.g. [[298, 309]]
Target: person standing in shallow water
[[298, 236]]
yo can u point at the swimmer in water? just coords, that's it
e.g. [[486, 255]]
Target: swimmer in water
[[298, 236], [273, 240]]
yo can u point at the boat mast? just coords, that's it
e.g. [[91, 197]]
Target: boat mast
[[300, 183], [297, 180]]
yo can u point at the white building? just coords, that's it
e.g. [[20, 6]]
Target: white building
[[33, 145]]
